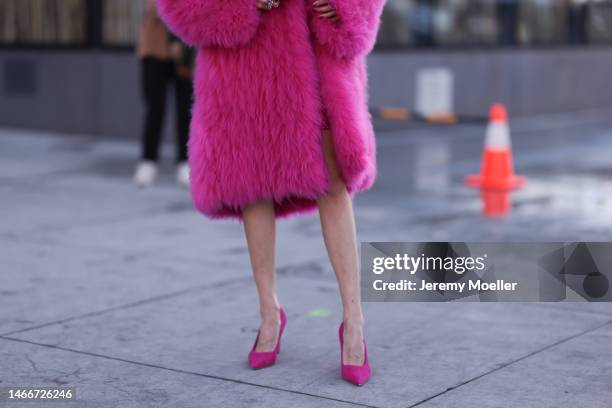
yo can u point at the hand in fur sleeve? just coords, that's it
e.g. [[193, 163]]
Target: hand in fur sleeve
[[350, 30], [225, 23]]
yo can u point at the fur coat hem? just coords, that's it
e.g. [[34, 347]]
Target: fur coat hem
[[264, 81]]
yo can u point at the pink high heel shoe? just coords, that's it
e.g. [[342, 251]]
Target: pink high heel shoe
[[354, 374], [265, 359]]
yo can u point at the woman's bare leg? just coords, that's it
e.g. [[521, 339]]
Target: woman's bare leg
[[338, 225], [259, 227]]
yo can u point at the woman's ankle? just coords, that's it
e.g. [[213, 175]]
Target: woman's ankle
[[270, 312], [353, 320]]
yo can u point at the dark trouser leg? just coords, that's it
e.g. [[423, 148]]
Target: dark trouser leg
[[154, 84], [184, 95]]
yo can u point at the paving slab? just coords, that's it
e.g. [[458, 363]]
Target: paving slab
[[576, 373], [184, 234], [41, 283], [417, 350], [37, 154], [37, 206], [103, 383]]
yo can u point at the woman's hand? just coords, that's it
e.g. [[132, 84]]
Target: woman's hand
[[325, 10], [267, 4]]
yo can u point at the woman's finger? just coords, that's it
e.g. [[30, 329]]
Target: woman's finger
[[323, 9], [262, 4]]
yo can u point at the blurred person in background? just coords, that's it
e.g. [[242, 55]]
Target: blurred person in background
[[164, 59], [507, 19]]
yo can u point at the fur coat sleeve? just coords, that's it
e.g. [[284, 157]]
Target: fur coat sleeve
[[354, 33], [224, 23]]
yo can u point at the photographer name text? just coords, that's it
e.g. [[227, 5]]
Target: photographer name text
[[460, 287]]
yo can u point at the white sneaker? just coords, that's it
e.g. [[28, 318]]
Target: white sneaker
[[182, 175], [145, 174]]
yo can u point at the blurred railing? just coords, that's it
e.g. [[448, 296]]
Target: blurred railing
[[405, 23]]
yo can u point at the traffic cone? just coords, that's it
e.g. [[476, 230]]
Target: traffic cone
[[497, 172]]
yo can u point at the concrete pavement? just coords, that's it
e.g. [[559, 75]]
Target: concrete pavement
[[137, 301]]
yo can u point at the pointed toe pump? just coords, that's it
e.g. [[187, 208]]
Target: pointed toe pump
[[355, 374], [263, 359]]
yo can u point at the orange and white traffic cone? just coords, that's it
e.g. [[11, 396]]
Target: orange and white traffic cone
[[497, 172]]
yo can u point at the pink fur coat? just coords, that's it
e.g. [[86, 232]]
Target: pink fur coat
[[266, 84]]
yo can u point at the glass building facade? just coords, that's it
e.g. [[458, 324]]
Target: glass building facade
[[406, 24]]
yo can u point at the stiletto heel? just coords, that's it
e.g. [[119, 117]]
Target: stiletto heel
[[355, 374], [263, 359]]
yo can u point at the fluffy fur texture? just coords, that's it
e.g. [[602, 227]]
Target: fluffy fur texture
[[210, 23], [354, 34], [263, 81]]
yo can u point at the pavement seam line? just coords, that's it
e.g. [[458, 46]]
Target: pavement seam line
[[512, 362], [129, 305], [153, 299], [179, 371]]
